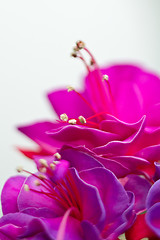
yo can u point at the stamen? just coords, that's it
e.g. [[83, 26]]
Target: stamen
[[64, 117], [105, 77], [82, 119], [52, 166], [43, 170], [73, 54], [26, 187], [70, 89], [72, 121], [37, 183], [80, 45], [19, 169], [57, 155], [43, 162], [42, 177]]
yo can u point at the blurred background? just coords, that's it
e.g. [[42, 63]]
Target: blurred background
[[36, 39]]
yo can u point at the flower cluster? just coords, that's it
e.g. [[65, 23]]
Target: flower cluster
[[98, 170]]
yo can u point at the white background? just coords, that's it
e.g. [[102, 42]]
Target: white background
[[36, 38]]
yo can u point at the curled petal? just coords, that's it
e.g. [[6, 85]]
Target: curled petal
[[153, 218], [10, 193]]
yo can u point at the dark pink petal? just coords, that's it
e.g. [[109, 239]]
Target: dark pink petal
[[80, 135], [140, 230], [134, 91], [31, 199], [157, 171], [12, 225], [79, 159], [82, 159], [90, 231], [151, 153], [70, 103], [128, 146], [37, 132], [140, 187], [123, 223], [91, 205], [113, 195], [153, 195], [10, 194], [153, 118], [114, 125], [153, 218]]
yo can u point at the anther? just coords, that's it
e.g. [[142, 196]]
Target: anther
[[52, 166], [56, 162], [37, 183], [43, 162], [72, 121], [57, 155], [64, 117], [105, 77], [19, 169], [70, 89], [80, 44], [26, 187], [41, 177], [74, 54], [82, 119], [43, 170]]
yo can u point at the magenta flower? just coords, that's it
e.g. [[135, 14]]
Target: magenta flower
[[114, 120], [147, 224], [63, 205]]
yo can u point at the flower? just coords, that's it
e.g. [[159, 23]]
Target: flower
[[62, 204], [115, 119], [147, 223]]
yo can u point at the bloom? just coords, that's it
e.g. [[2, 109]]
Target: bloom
[[62, 204], [115, 119]]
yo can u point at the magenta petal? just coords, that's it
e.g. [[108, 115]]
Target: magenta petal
[[153, 218], [37, 132], [133, 89], [10, 193], [140, 187], [30, 199], [123, 147], [153, 195], [79, 135], [79, 159], [13, 225], [114, 196], [90, 231], [157, 171], [70, 103], [91, 204]]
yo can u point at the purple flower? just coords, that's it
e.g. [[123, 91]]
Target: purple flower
[[115, 120], [63, 205]]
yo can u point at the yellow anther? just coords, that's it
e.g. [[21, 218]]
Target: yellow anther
[[82, 119], [64, 117], [19, 169], [26, 187], [72, 121], [37, 183], [57, 155], [80, 44], [105, 77], [43, 162], [43, 170], [52, 166], [70, 89]]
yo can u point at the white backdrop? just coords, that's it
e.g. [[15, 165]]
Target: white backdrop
[[36, 38]]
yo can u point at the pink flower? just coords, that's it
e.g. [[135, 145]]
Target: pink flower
[[63, 205], [115, 119]]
